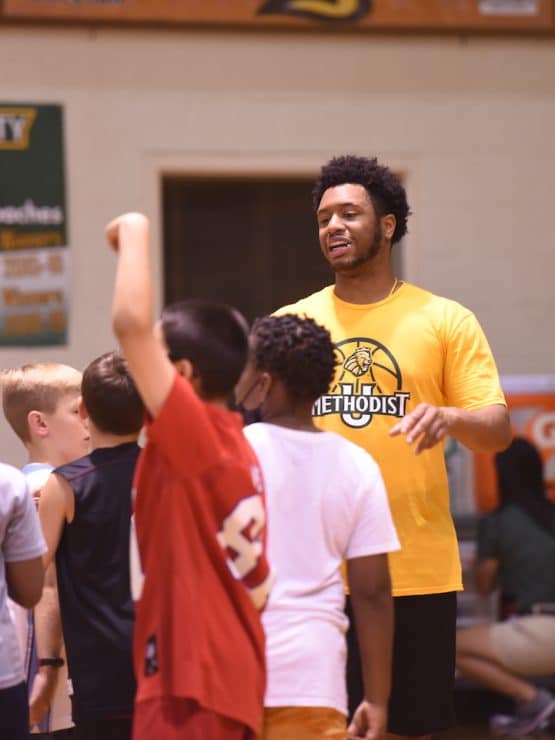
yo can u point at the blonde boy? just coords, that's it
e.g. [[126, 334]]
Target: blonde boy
[[41, 404]]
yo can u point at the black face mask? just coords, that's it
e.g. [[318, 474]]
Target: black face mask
[[252, 415]]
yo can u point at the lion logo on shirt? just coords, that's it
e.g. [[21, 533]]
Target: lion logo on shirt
[[359, 362]]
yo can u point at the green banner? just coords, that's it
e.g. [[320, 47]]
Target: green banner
[[34, 260]]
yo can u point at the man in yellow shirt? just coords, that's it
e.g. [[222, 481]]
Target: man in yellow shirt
[[413, 367]]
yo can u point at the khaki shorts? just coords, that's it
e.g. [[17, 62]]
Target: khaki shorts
[[526, 645], [303, 723]]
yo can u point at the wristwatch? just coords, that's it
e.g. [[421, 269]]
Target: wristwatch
[[54, 662]]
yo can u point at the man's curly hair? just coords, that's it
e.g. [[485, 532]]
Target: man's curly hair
[[383, 187], [298, 351]]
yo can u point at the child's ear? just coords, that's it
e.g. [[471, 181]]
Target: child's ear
[[265, 385], [185, 368], [83, 413], [38, 426]]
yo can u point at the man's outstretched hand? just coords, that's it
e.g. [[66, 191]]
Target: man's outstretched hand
[[427, 425]]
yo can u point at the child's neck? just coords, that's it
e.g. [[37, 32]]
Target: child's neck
[[37, 454], [297, 417], [221, 402], [104, 439]]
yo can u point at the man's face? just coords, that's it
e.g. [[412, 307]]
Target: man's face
[[68, 433], [350, 233]]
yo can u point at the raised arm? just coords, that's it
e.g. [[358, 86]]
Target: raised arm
[[132, 311]]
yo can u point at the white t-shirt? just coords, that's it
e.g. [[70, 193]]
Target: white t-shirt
[[36, 475], [326, 502], [20, 539]]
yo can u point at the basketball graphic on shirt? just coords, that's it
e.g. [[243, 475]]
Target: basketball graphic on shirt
[[365, 360], [367, 382]]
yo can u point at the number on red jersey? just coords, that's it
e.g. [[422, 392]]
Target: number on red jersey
[[241, 538]]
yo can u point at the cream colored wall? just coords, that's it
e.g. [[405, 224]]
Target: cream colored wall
[[470, 123]]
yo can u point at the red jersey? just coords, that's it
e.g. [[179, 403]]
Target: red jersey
[[200, 522]]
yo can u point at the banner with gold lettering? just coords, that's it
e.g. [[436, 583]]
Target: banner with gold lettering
[[439, 15], [34, 260]]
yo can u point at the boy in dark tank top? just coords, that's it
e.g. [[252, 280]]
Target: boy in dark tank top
[[85, 512]]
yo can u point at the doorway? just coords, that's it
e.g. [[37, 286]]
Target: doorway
[[251, 243]]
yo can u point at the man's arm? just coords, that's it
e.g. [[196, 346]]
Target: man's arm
[[56, 506], [132, 311], [482, 430], [370, 588]]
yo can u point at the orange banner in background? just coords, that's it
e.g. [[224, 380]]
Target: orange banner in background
[[531, 401], [434, 15]]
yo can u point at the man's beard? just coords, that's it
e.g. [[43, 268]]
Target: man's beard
[[368, 256]]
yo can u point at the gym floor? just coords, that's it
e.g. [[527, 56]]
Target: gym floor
[[473, 707], [480, 732]]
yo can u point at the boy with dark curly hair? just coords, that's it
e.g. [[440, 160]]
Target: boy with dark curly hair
[[417, 367], [326, 504]]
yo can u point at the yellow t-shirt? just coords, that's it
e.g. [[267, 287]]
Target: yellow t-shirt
[[410, 348]]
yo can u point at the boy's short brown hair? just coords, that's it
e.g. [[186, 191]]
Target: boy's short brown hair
[[110, 396], [35, 387]]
